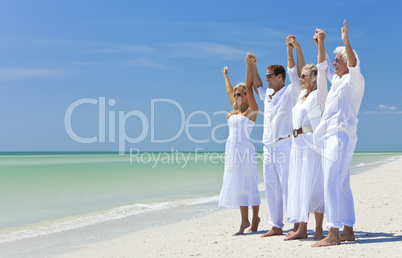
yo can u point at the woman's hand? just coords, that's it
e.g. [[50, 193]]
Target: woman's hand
[[225, 70]]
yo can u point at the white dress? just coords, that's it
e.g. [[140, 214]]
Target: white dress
[[240, 180], [306, 183]]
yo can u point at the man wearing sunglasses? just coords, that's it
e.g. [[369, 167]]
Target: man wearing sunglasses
[[279, 99], [337, 135]]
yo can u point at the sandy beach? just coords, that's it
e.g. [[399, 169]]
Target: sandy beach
[[378, 229]]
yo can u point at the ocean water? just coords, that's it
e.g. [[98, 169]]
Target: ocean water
[[45, 193]]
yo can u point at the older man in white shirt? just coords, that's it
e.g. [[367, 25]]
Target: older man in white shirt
[[337, 135], [279, 99]]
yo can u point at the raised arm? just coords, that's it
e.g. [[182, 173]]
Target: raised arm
[[229, 88], [257, 82], [300, 58], [291, 61], [322, 66], [292, 43], [319, 38], [252, 104], [348, 48], [322, 88]]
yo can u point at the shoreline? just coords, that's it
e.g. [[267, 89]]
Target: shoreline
[[209, 232], [378, 229]]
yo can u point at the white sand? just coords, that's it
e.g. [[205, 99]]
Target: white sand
[[378, 229]]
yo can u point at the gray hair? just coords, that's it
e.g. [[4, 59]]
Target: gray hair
[[312, 72], [344, 55]]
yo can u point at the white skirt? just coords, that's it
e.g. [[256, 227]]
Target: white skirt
[[306, 182], [240, 180], [239, 190]]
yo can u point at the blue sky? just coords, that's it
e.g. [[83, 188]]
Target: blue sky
[[153, 68]]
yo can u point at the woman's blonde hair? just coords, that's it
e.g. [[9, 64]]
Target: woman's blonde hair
[[312, 72], [236, 110]]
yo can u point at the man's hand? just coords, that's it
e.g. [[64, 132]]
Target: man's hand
[[321, 36], [352, 59], [345, 36], [251, 59]]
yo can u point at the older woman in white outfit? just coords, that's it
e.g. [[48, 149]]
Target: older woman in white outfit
[[240, 180], [306, 185]]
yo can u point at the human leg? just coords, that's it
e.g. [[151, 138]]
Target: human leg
[[319, 217], [348, 213], [245, 223], [256, 219], [300, 233], [282, 158], [273, 192], [344, 215], [339, 206], [337, 193], [331, 239], [295, 228], [331, 166], [347, 234]]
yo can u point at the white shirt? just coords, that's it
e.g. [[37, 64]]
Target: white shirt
[[308, 112], [342, 104], [278, 110]]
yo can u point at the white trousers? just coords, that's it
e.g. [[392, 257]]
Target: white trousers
[[337, 155], [276, 170]]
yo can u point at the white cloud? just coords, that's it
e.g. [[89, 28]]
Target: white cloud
[[370, 112], [22, 73], [384, 107]]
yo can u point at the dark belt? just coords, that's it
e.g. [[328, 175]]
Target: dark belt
[[283, 138], [301, 130]]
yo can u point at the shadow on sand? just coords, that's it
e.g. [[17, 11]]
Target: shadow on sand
[[364, 237], [361, 237], [376, 237]]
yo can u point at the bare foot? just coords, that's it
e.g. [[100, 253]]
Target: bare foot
[[290, 233], [254, 225], [344, 237], [273, 232], [295, 228], [319, 234], [331, 239], [243, 226], [347, 234], [297, 235]]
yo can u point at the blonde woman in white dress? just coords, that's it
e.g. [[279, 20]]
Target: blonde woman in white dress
[[240, 180]]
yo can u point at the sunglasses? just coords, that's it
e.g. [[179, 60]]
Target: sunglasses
[[303, 75], [237, 95], [337, 60], [270, 75]]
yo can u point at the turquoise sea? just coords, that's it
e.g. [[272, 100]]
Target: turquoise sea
[[45, 193]]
